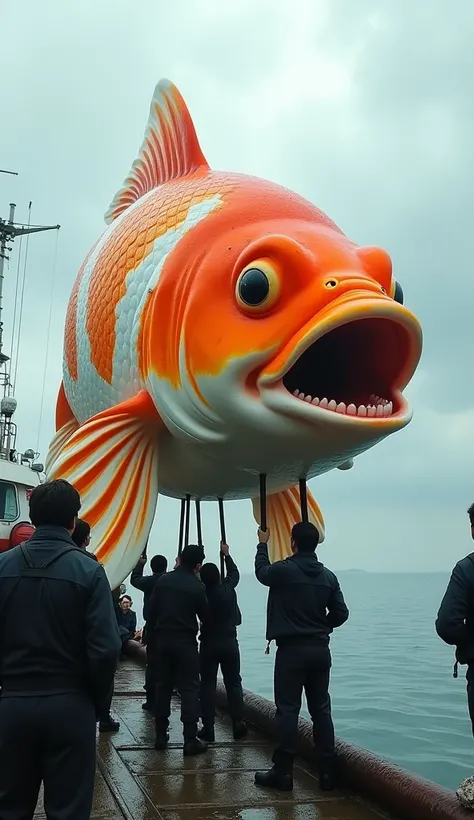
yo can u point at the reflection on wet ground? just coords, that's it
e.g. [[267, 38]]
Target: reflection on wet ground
[[138, 783]]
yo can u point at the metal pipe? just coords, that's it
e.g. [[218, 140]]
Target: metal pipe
[[181, 526], [220, 502], [303, 500], [263, 502], [187, 516], [198, 522]]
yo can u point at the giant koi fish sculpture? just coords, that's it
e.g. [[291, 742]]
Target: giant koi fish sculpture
[[222, 327]]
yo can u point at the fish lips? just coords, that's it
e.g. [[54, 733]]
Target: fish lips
[[348, 366]]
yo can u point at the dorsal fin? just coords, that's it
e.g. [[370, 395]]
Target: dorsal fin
[[170, 149]]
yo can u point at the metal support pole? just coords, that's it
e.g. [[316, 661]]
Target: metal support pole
[[263, 502], [181, 526], [220, 502], [186, 519], [303, 500], [198, 522]]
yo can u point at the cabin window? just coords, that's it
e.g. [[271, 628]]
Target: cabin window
[[8, 502]]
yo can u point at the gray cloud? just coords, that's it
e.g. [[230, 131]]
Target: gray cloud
[[365, 108]]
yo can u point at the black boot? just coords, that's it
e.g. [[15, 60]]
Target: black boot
[[194, 747], [207, 734], [109, 724], [327, 774], [239, 729], [161, 742], [275, 779]]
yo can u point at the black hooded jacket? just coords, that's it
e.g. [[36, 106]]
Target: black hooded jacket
[[58, 631], [305, 601], [224, 615], [145, 583], [455, 621]]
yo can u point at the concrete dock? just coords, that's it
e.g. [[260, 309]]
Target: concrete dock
[[136, 782]]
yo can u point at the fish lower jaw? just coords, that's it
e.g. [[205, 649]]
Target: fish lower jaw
[[377, 407]]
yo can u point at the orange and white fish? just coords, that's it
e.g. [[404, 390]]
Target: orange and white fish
[[221, 327]]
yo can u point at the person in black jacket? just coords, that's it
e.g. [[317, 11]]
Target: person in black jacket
[[146, 583], [178, 600], [305, 604], [455, 620], [82, 538], [60, 645], [219, 646]]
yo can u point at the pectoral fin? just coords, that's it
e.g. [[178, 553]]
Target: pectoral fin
[[284, 510], [112, 460], [66, 425]]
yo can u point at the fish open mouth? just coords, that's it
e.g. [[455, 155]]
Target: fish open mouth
[[356, 369]]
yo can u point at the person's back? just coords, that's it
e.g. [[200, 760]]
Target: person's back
[[178, 601], [219, 647], [305, 604], [455, 619], [60, 644], [146, 583], [223, 615], [304, 601]]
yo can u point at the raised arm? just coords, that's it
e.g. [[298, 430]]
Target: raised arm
[[232, 573], [267, 573], [136, 579]]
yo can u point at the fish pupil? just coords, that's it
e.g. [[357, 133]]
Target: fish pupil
[[254, 287], [398, 295]]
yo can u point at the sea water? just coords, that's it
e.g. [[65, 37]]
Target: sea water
[[392, 684]]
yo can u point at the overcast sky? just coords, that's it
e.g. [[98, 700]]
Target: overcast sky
[[366, 108]]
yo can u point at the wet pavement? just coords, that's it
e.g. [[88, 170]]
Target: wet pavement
[[136, 782]]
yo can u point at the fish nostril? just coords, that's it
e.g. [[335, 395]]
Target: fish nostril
[[331, 283]]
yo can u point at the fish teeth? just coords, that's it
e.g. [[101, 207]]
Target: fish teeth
[[378, 407]]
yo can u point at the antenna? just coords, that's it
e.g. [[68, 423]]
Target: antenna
[[9, 230]]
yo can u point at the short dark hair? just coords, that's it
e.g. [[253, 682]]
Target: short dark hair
[[127, 597], [210, 575], [470, 513], [158, 563], [192, 555], [54, 504], [81, 532], [306, 536]]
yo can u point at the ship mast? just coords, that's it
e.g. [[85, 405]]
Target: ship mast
[[9, 230]]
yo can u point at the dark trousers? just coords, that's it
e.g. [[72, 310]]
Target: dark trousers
[[225, 653], [177, 666], [103, 713], [150, 674], [470, 694], [49, 739], [298, 667]]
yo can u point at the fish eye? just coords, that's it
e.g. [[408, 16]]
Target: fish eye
[[257, 286], [331, 283], [396, 292], [383, 290]]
